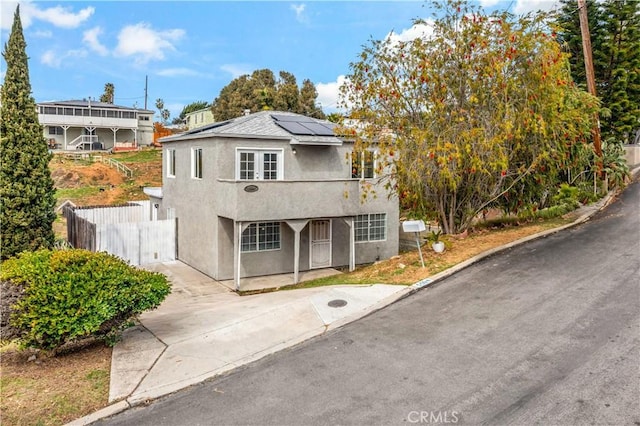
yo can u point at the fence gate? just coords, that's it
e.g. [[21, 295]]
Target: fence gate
[[124, 231]]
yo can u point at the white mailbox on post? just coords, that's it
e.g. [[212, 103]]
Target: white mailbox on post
[[415, 226]]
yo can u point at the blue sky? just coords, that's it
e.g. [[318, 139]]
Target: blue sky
[[191, 49]]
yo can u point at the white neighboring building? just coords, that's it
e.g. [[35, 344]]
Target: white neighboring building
[[92, 125]]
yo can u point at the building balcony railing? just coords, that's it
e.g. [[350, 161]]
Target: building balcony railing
[[81, 121], [281, 200]]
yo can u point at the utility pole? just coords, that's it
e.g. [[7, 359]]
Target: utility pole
[[146, 85], [591, 80]]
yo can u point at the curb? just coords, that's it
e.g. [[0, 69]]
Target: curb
[[123, 405], [107, 411]]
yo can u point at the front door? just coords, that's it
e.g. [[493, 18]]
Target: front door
[[320, 244]]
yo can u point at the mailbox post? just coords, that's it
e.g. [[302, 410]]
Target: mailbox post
[[415, 226]]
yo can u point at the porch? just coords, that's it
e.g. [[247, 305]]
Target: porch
[[267, 282], [302, 249]]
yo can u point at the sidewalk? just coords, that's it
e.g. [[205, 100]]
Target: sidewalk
[[203, 329]]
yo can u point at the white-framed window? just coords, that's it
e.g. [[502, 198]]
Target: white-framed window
[[261, 236], [259, 164], [196, 163], [363, 165], [171, 163], [371, 227], [55, 130]]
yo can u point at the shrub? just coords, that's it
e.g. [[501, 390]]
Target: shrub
[[567, 194], [69, 295]]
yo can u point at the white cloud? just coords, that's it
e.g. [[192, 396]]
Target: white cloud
[[525, 6], [177, 72], [421, 30], [236, 70], [489, 3], [145, 43], [59, 16], [56, 60], [300, 15], [90, 38], [43, 34], [328, 93], [50, 58]]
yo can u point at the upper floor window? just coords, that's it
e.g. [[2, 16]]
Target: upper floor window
[[371, 227], [363, 165], [171, 163], [256, 164], [196, 163]]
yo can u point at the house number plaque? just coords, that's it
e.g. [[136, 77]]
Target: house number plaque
[[251, 188]]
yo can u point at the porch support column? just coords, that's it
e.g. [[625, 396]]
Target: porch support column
[[64, 129], [115, 131], [237, 251], [90, 137], [352, 242], [297, 226]]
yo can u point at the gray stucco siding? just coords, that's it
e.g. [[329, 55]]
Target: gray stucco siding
[[193, 201], [316, 184]]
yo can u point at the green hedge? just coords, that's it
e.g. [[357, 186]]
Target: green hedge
[[70, 295]]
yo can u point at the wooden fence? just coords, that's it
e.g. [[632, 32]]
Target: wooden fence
[[125, 231]]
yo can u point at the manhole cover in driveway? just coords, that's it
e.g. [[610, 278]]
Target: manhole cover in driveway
[[337, 303]]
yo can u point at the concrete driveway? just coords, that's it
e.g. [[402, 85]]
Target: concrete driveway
[[203, 329]]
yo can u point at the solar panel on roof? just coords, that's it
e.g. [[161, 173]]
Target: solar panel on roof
[[294, 128], [291, 118], [318, 129]]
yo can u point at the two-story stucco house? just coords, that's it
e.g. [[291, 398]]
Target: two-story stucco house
[[270, 193], [87, 124]]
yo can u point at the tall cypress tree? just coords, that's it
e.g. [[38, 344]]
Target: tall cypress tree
[[26, 188], [614, 26], [621, 76]]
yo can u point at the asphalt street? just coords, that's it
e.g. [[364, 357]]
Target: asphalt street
[[547, 332]]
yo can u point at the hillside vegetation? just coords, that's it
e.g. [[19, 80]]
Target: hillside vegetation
[[89, 182]]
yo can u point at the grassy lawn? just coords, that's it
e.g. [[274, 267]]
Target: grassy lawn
[[136, 157], [76, 193], [36, 389]]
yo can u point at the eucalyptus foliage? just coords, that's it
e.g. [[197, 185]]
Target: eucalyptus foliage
[[262, 91]]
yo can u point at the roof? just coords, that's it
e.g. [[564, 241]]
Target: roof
[[207, 109], [96, 104], [264, 124]]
